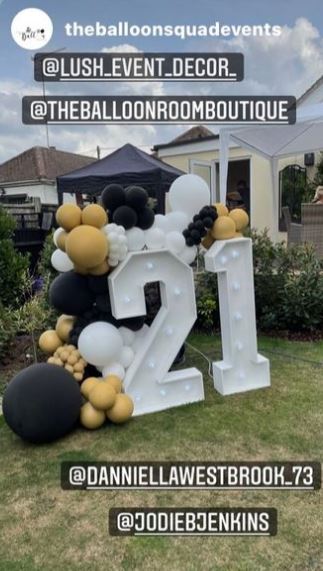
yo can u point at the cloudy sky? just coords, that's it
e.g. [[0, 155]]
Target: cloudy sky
[[287, 65]]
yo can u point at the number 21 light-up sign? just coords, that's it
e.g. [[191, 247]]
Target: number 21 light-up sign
[[148, 380]]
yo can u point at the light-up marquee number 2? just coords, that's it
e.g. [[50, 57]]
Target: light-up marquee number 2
[[147, 380], [242, 367]]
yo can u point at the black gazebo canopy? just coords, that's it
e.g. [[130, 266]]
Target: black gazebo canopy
[[125, 166]]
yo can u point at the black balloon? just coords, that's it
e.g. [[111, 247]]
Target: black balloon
[[125, 216], [102, 302], [133, 323], [136, 197], [146, 218], [208, 222], [99, 284], [42, 403], [69, 293], [113, 196]]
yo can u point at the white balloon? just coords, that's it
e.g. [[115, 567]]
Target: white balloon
[[188, 254], [177, 221], [114, 368], [143, 330], [126, 356], [108, 228], [113, 237], [127, 335], [175, 241], [161, 222], [61, 262], [140, 335], [135, 239], [57, 232], [114, 248], [123, 240], [99, 343], [189, 193], [113, 261], [155, 238]]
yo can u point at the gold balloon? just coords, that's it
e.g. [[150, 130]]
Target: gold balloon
[[121, 410], [49, 341], [102, 396], [238, 235], [115, 382], [64, 355], [87, 246], [72, 360], [221, 209], [78, 377], [68, 216], [240, 218], [90, 417], [64, 327], [79, 367], [223, 228], [88, 385], [94, 215], [61, 240], [100, 270]]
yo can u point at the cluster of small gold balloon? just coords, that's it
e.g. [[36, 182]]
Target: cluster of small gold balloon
[[104, 400], [227, 225], [81, 237], [54, 342]]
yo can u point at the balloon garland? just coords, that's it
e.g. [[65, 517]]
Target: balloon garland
[[90, 244]]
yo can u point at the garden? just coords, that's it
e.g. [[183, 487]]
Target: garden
[[44, 527]]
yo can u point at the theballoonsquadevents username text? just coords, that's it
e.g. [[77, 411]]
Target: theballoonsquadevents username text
[[124, 29]]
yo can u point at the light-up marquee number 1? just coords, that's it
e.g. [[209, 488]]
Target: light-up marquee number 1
[[148, 381], [242, 367]]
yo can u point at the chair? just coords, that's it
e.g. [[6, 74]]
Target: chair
[[294, 231], [312, 226]]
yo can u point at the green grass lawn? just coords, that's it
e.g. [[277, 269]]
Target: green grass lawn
[[45, 528]]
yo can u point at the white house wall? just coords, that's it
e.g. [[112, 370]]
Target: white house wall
[[46, 192]]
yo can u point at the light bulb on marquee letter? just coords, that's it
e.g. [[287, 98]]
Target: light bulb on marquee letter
[[147, 379], [242, 368]]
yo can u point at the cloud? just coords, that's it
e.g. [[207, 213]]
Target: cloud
[[287, 64]]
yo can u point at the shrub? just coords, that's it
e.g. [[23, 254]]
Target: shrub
[[45, 267], [288, 288], [206, 287], [7, 329], [13, 265]]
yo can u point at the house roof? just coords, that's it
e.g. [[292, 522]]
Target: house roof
[[41, 163], [310, 90], [193, 135]]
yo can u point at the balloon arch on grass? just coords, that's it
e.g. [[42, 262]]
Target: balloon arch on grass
[[104, 363]]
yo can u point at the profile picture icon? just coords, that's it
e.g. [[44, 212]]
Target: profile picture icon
[[32, 28]]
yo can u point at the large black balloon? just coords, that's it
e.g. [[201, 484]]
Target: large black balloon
[[146, 218], [136, 197], [125, 216], [113, 196], [42, 403], [70, 293]]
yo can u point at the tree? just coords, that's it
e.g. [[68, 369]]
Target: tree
[[13, 265]]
